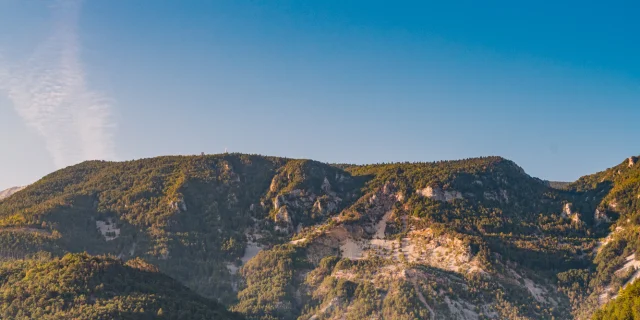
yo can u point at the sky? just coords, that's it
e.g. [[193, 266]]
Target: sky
[[551, 85]]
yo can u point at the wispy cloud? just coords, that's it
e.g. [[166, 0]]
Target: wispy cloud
[[49, 91]]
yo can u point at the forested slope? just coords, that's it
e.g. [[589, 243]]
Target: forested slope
[[277, 238], [78, 286]]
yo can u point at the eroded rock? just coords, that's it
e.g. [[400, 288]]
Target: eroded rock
[[179, 205], [601, 216]]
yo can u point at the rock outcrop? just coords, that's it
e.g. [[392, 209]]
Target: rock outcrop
[[600, 216], [566, 210], [567, 213], [439, 195], [179, 205], [294, 207]]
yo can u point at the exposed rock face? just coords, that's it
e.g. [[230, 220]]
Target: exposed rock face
[[297, 199], [382, 201], [439, 195], [325, 205], [632, 161], [179, 205], [282, 216], [354, 240], [274, 185], [326, 186], [283, 220], [567, 213], [601, 216], [428, 248], [299, 202], [566, 210], [501, 195], [420, 246]]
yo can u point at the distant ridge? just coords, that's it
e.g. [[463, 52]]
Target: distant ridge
[[558, 184], [8, 192]]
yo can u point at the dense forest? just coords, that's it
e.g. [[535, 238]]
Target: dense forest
[[277, 238], [625, 306], [78, 286]]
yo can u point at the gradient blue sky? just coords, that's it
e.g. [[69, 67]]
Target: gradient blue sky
[[552, 85]]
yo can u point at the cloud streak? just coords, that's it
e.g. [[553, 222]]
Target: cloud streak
[[49, 92]]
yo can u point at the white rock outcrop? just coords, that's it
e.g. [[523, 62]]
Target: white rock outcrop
[[179, 205], [438, 194], [325, 206], [567, 213], [566, 210], [600, 216]]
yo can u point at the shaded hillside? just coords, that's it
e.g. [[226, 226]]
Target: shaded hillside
[[612, 195], [194, 217], [78, 286]]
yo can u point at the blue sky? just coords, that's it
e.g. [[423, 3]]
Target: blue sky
[[552, 85]]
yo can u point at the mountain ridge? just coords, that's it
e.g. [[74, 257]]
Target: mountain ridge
[[292, 238], [10, 191]]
